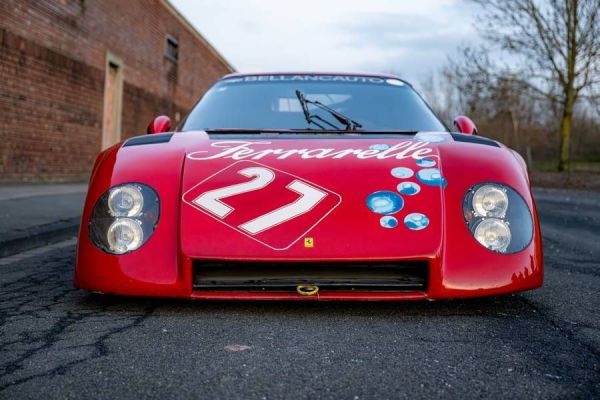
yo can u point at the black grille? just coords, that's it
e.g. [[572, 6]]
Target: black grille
[[283, 277]]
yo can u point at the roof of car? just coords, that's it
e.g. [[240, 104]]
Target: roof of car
[[367, 74]]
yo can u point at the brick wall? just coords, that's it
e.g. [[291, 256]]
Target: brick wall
[[52, 71]]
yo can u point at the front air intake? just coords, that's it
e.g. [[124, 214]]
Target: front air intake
[[211, 275]]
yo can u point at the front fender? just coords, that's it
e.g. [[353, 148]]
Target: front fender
[[467, 268], [156, 265]]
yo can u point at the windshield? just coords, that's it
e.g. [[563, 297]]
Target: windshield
[[272, 102]]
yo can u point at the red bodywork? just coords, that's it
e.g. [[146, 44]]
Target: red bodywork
[[340, 227]]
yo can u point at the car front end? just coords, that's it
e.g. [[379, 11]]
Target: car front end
[[311, 213]]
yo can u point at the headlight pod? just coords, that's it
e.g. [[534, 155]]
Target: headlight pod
[[125, 234], [125, 201], [493, 233], [490, 201], [498, 217], [124, 218]]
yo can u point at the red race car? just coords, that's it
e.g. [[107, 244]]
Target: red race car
[[311, 187]]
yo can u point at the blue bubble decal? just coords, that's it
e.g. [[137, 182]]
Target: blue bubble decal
[[431, 177], [431, 138], [426, 162], [416, 221], [385, 202], [379, 146], [388, 222], [409, 188], [402, 172]]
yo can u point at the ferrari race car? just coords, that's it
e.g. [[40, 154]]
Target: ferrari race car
[[312, 187]]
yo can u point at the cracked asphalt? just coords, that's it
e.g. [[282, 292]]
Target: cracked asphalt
[[59, 342]]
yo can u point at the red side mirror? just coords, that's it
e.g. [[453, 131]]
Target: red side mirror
[[465, 125], [159, 124]]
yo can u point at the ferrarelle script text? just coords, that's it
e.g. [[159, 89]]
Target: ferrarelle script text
[[243, 150]]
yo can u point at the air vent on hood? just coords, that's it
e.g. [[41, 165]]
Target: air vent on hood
[[461, 137], [148, 139]]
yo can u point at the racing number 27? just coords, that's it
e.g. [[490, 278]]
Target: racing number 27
[[309, 197]]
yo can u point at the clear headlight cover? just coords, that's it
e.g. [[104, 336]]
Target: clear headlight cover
[[125, 201], [124, 218], [490, 201], [125, 234], [493, 234], [498, 217]]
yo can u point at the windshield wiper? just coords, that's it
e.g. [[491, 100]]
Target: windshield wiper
[[349, 123], [310, 118]]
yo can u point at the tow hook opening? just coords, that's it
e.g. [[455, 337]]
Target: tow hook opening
[[307, 290]]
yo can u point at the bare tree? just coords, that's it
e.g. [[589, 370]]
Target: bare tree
[[497, 97], [440, 93], [557, 47]]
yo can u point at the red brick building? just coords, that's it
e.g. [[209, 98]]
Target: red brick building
[[79, 75]]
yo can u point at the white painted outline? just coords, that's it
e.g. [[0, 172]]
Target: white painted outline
[[289, 187], [246, 234], [254, 178]]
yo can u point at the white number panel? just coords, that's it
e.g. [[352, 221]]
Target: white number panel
[[268, 205], [211, 200]]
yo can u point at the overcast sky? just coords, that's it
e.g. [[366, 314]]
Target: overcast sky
[[407, 37]]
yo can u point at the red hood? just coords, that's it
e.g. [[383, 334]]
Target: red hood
[[315, 197]]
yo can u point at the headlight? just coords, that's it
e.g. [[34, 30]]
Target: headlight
[[124, 235], [493, 234], [490, 201], [124, 218], [498, 217], [125, 201]]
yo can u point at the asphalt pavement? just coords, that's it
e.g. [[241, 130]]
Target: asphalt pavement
[[35, 215], [59, 342]]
